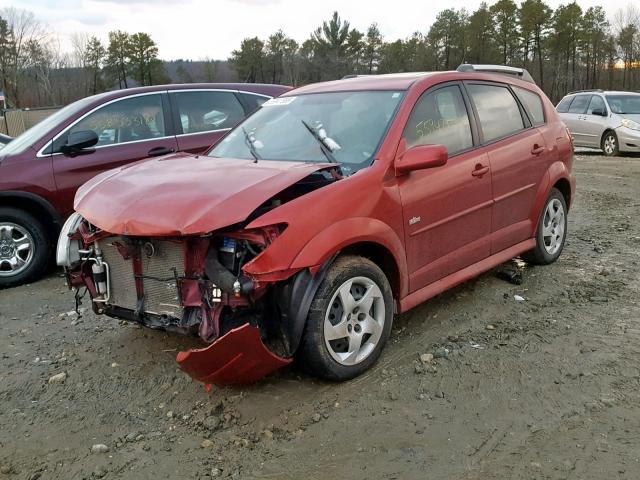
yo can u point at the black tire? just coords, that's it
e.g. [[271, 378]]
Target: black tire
[[41, 245], [609, 144], [541, 254], [314, 352]]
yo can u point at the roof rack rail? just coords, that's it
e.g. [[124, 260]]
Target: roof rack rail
[[502, 69], [586, 91], [354, 75]]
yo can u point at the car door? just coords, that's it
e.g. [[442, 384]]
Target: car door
[[446, 210], [594, 124], [129, 129], [517, 155], [574, 119], [203, 116]]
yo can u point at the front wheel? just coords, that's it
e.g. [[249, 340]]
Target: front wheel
[[24, 247], [610, 145], [349, 320], [551, 231]]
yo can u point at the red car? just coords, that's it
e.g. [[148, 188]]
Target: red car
[[41, 169], [330, 209]]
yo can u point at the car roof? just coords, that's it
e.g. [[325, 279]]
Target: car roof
[[390, 81], [271, 90], [602, 92], [404, 81]]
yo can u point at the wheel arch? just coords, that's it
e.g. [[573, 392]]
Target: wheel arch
[[36, 206], [368, 237]]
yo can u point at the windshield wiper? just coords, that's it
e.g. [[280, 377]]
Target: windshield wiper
[[323, 146], [252, 148]]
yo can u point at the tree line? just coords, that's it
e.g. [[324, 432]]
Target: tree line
[[564, 49]]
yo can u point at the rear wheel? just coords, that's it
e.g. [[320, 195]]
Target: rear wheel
[[24, 247], [551, 232], [610, 145], [349, 320]]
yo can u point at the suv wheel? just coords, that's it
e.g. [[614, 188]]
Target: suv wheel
[[24, 247], [610, 145], [551, 232], [349, 320]]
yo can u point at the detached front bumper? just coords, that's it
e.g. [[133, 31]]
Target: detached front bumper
[[235, 358]]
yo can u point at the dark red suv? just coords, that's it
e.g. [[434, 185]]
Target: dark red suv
[[334, 206], [41, 169]]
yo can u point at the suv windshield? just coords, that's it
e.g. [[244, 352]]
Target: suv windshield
[[342, 127], [624, 104]]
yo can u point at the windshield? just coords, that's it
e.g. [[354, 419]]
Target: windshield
[[341, 127], [35, 133], [624, 104]]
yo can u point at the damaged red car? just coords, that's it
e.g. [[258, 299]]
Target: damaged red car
[[322, 215]]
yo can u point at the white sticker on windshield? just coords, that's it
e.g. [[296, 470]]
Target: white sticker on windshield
[[277, 102]]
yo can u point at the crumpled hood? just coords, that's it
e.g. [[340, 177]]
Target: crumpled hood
[[182, 194]]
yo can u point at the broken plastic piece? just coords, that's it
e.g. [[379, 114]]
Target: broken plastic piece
[[237, 357]]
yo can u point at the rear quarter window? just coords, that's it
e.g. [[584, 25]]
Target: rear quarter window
[[532, 104]]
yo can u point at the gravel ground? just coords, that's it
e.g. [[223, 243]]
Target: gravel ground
[[545, 387]]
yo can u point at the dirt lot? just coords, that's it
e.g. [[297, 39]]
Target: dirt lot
[[547, 388]]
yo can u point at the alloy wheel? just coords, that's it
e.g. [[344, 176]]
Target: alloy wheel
[[609, 145], [354, 321], [16, 249], [553, 226]]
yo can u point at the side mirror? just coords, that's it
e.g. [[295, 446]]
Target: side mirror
[[420, 158], [80, 142], [599, 111]]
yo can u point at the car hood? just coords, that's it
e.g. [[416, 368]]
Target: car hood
[[182, 194], [630, 116]]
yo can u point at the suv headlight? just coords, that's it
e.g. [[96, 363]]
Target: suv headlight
[[68, 251], [630, 124]]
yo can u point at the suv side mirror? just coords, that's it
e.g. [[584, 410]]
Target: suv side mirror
[[80, 142], [599, 111], [421, 157]]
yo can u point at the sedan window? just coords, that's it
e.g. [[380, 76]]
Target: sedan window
[[498, 111], [440, 117], [597, 103], [204, 111], [128, 120], [579, 104]]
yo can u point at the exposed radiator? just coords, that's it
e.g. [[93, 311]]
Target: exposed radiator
[[160, 265]]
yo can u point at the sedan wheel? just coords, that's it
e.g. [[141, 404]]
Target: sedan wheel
[[553, 226], [354, 321], [24, 247], [16, 249], [610, 144], [349, 320]]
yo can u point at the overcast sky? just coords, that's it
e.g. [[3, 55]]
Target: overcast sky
[[199, 28]]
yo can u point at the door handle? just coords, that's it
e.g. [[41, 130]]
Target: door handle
[[158, 151], [480, 170], [537, 149]]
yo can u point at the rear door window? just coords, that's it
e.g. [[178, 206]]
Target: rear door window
[[498, 111], [440, 117], [204, 110], [579, 104], [533, 104]]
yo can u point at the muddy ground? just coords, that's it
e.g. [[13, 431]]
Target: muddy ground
[[546, 388]]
